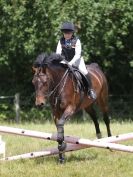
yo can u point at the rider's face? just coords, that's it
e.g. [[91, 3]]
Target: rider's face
[[68, 35]]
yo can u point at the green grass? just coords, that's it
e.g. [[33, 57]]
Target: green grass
[[91, 162]]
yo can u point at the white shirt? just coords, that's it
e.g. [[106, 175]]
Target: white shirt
[[77, 51]]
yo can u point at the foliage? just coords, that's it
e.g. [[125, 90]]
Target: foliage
[[30, 27], [120, 109], [106, 30], [26, 28]]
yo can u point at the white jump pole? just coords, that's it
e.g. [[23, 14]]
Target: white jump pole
[[50, 136], [75, 140], [45, 152]]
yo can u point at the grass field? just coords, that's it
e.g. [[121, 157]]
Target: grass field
[[91, 162]]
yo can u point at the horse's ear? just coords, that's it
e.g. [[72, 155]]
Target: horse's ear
[[34, 69]]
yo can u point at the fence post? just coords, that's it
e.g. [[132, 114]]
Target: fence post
[[17, 107]]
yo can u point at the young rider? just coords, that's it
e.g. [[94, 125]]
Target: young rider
[[70, 47]]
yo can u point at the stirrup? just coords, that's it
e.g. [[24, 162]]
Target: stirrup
[[92, 94]]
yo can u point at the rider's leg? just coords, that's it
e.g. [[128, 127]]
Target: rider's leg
[[83, 69]]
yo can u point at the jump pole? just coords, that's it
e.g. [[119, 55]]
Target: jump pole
[[50, 136], [105, 143], [45, 152]]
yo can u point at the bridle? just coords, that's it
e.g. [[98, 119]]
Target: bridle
[[52, 92], [38, 75], [64, 77]]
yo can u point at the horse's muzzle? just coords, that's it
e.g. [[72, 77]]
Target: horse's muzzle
[[42, 105], [40, 102]]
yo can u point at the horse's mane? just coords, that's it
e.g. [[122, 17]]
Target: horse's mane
[[53, 59], [44, 59], [39, 60]]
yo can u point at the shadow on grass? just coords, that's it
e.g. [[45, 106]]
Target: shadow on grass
[[69, 158], [78, 158]]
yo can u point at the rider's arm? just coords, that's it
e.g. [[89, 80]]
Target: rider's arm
[[77, 52], [58, 49]]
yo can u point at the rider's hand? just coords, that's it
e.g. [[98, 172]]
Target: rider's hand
[[63, 62], [70, 63]]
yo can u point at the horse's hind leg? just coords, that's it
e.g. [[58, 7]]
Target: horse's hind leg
[[107, 122], [103, 104], [91, 111]]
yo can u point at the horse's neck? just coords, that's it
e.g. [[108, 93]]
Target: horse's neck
[[56, 74]]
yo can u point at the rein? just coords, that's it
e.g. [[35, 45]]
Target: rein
[[52, 92]]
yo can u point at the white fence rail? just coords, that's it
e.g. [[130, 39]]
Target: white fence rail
[[16, 101]]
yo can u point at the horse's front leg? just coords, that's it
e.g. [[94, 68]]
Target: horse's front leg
[[60, 139], [60, 132]]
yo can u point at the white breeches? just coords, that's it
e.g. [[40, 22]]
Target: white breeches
[[80, 64]]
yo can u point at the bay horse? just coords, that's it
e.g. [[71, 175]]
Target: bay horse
[[54, 81]]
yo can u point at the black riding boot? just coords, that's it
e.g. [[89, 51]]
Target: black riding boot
[[91, 92]]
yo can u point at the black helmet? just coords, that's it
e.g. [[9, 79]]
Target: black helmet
[[67, 26]]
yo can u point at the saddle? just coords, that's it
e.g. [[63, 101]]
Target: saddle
[[81, 80]]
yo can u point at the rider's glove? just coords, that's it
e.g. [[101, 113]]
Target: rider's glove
[[70, 63], [63, 62]]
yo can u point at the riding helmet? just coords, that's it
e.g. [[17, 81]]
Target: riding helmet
[[67, 26]]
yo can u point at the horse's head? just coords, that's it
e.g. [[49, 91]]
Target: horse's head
[[41, 87], [43, 79], [40, 80]]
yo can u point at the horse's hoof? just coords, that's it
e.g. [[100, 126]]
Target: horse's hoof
[[61, 161], [99, 135]]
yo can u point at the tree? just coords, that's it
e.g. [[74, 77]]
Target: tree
[[30, 27]]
